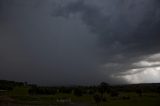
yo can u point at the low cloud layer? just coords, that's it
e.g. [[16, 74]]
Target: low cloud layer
[[79, 41]]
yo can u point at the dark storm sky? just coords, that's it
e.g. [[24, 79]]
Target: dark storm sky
[[61, 42]]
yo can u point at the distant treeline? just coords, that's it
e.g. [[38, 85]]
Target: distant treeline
[[80, 90], [146, 87], [9, 85], [75, 90]]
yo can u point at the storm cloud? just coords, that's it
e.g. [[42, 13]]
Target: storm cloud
[[79, 41]]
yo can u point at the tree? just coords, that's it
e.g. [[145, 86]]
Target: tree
[[97, 99], [139, 92], [158, 90], [103, 87]]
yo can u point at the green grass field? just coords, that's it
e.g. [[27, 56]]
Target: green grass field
[[19, 95]]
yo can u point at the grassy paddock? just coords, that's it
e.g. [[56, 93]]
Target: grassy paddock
[[19, 95]]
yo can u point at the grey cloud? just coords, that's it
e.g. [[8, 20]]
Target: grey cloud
[[42, 49], [130, 28], [77, 41], [121, 33]]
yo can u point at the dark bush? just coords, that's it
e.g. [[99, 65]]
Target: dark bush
[[104, 99], [139, 92], [126, 98], [66, 90], [78, 92], [42, 91], [114, 94]]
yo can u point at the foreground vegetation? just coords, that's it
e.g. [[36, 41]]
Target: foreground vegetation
[[23, 94]]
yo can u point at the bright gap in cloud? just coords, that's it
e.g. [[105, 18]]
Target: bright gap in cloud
[[147, 63], [145, 71], [147, 75]]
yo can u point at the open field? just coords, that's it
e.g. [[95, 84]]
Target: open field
[[20, 97], [17, 94], [147, 100]]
